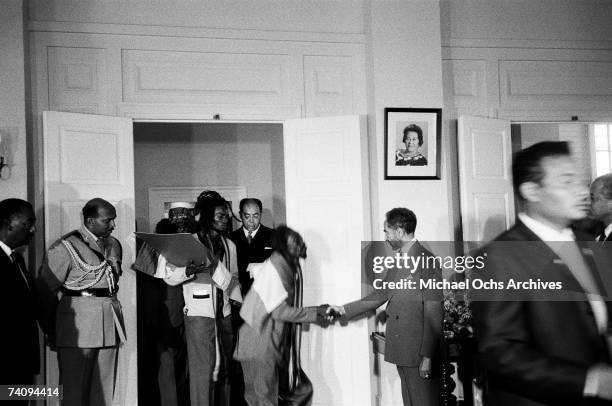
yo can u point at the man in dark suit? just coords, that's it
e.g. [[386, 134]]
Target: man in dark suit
[[414, 316], [19, 349], [86, 324], [601, 204], [537, 351], [253, 240]]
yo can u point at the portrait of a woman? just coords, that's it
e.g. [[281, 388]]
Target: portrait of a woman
[[411, 155]]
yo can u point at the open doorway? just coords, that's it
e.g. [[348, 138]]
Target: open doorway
[[326, 200], [180, 160], [576, 134]]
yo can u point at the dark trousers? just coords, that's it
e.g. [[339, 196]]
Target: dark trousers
[[201, 353], [172, 375], [87, 375], [417, 391]]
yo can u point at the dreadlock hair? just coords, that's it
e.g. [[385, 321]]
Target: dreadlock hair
[[290, 244]]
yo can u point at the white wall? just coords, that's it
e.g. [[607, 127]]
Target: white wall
[[565, 20], [12, 101], [319, 16], [406, 72], [250, 155]]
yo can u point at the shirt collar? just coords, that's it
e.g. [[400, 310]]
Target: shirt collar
[[246, 232], [89, 234], [608, 230], [7, 250], [545, 232], [407, 245]]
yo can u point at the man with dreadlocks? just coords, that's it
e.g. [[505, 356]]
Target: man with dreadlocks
[[267, 344], [207, 289]]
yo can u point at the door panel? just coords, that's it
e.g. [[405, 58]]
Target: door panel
[[485, 175], [326, 187], [87, 156]]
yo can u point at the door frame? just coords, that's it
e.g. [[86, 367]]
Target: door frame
[[145, 112]]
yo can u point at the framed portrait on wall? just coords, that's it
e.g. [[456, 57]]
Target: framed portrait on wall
[[412, 143]]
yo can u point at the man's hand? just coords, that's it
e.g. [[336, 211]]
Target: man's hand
[[323, 315], [335, 312], [51, 341], [425, 368], [322, 310], [193, 269], [116, 267]]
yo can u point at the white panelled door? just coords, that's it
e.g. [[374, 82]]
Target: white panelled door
[[87, 156], [326, 197], [485, 177]]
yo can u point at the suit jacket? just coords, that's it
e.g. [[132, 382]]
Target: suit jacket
[[79, 321], [535, 352], [258, 250], [414, 321], [19, 349]]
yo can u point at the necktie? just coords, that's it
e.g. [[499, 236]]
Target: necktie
[[570, 254], [16, 262], [249, 237]]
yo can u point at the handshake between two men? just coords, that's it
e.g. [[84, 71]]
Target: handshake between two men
[[330, 313]]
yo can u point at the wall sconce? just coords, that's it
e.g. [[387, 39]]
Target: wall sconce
[[5, 171]]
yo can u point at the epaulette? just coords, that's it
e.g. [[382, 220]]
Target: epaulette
[[70, 234]]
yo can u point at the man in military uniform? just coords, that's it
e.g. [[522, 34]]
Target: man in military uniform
[[86, 323]]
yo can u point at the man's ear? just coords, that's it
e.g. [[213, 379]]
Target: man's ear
[[6, 224], [530, 191]]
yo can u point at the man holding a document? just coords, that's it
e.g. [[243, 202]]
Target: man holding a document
[[207, 288]]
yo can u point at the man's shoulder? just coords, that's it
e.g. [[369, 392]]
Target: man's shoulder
[[266, 231], [421, 249], [72, 237], [230, 242], [237, 232], [74, 234], [113, 241]]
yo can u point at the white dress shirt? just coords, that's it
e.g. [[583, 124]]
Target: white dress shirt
[[246, 232], [8, 251], [549, 234]]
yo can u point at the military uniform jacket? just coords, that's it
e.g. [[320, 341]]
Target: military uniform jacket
[[80, 321]]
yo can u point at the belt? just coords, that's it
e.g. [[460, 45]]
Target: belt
[[101, 292]]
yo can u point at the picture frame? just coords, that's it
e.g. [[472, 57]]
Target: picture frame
[[412, 143]]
